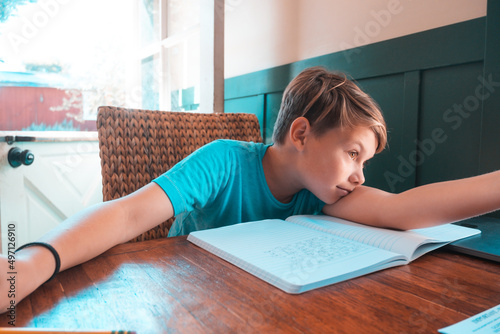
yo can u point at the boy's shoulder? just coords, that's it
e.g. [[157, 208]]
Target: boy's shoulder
[[235, 145], [225, 150]]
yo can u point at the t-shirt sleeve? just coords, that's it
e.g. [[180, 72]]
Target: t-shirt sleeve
[[198, 178]]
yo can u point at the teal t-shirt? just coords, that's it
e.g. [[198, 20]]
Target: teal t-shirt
[[223, 183]]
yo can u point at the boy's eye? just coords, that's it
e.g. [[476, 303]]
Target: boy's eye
[[353, 155]]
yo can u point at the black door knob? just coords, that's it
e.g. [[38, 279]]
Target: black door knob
[[18, 157]]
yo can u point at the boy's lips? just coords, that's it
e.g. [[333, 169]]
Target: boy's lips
[[344, 191]]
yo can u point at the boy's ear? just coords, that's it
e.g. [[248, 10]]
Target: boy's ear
[[299, 130]]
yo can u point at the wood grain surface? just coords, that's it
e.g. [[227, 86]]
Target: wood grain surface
[[169, 285]]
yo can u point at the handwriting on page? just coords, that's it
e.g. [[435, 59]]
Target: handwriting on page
[[322, 249]]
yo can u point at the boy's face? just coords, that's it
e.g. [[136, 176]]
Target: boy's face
[[333, 162]]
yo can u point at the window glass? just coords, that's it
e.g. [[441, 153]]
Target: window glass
[[150, 82], [61, 60], [183, 66], [149, 22], [182, 16], [170, 56]]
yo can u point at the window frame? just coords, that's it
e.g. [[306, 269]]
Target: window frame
[[211, 30]]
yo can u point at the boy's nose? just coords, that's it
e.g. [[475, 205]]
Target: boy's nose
[[357, 177]]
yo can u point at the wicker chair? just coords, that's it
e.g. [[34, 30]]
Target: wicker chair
[[136, 146]]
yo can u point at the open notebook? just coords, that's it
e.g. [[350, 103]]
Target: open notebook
[[306, 252]]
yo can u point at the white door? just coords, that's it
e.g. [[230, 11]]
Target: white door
[[63, 179]]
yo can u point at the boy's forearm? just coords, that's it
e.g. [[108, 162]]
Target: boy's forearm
[[422, 206], [449, 201], [104, 225], [78, 239]]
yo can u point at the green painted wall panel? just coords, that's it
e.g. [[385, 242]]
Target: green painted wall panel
[[250, 105], [450, 123], [490, 137], [388, 91], [273, 103]]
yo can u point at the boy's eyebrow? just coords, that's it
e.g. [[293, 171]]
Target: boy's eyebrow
[[358, 142]]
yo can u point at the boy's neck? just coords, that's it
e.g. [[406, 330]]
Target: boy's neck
[[279, 172]]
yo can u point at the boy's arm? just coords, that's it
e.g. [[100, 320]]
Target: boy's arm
[[423, 206], [86, 235]]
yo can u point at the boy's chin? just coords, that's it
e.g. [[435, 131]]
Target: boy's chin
[[331, 200]]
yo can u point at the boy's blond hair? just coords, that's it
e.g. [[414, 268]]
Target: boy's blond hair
[[328, 100]]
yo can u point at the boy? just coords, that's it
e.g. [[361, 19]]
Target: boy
[[327, 129]]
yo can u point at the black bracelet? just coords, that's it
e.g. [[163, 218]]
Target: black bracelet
[[50, 248]]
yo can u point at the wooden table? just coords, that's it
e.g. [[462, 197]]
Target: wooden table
[[170, 285]]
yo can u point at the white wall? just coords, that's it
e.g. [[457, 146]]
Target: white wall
[[261, 34]]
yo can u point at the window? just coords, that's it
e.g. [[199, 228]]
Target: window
[[60, 60], [170, 53]]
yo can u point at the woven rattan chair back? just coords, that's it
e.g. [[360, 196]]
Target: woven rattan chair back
[[136, 146]]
